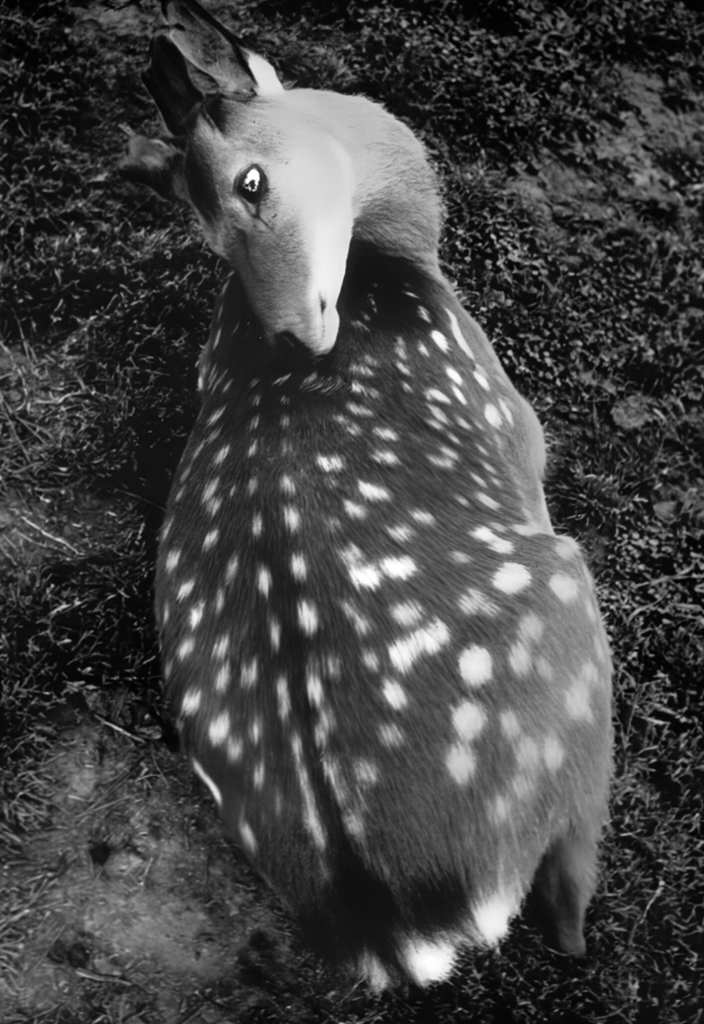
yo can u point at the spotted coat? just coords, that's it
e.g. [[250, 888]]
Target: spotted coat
[[389, 671]]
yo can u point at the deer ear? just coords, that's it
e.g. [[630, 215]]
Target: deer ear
[[169, 84], [216, 52], [157, 163]]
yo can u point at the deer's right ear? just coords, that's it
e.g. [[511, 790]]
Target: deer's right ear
[[170, 85], [157, 163]]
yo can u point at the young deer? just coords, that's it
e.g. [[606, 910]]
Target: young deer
[[387, 669]]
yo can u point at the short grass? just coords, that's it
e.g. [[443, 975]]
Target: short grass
[[577, 246]]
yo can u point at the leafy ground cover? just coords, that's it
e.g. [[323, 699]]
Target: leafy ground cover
[[570, 147]]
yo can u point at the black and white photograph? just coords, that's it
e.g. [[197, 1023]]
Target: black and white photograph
[[351, 512]]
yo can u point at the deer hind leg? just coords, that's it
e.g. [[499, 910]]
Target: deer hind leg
[[563, 886]]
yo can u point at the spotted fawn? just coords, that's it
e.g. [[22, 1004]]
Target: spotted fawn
[[389, 672]]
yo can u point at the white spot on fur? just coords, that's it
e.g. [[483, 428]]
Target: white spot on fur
[[398, 568], [491, 413], [406, 613], [371, 969], [498, 544], [384, 457], [475, 665], [577, 700], [460, 762], [400, 533], [435, 395], [527, 753], [210, 538], [475, 602], [370, 660], [544, 668], [457, 334], [390, 735], [386, 433], [353, 510], [219, 729], [247, 836], [488, 501], [191, 702], [530, 628], [492, 917], [314, 689], [419, 515], [395, 694], [222, 678], [566, 547], [363, 576], [365, 772], [564, 587], [519, 659], [424, 641], [196, 614], [510, 725], [360, 623], [185, 648], [283, 698], [460, 557], [234, 749], [249, 673], [526, 529], [264, 580], [311, 817], [299, 569], [511, 578], [500, 809], [428, 962], [172, 560], [553, 752], [308, 617], [292, 518], [373, 493], [330, 463], [506, 410], [185, 589], [217, 795], [221, 647], [468, 720]]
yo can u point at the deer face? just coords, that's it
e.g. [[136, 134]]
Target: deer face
[[277, 205]]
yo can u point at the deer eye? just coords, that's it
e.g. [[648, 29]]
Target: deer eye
[[250, 185]]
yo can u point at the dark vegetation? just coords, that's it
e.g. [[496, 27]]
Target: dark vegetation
[[570, 146]]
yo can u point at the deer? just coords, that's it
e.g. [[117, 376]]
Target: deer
[[385, 666]]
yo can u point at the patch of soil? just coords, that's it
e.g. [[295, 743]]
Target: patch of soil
[[642, 161], [128, 897]]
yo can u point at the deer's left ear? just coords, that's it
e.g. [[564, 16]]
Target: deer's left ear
[[216, 52], [157, 163]]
